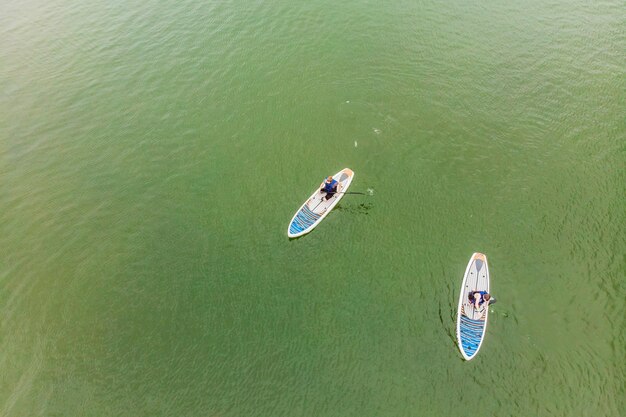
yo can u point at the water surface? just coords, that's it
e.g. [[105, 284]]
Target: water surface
[[152, 154]]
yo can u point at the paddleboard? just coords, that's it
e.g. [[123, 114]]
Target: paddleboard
[[471, 323], [313, 211]]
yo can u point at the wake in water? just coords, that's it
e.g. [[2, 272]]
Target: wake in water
[[362, 208]]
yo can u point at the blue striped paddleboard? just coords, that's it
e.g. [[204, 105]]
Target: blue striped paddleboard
[[471, 323], [313, 211]]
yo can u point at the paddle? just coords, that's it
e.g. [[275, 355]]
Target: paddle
[[370, 191]]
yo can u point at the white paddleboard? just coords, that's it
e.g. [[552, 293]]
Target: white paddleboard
[[313, 211], [471, 323]]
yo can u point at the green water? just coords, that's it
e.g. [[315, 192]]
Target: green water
[[152, 154]]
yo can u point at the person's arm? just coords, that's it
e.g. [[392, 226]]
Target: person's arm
[[476, 299]]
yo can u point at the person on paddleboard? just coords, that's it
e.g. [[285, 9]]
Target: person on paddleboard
[[329, 186], [478, 298]]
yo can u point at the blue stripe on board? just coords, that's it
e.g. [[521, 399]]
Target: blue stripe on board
[[307, 211], [304, 215], [303, 220], [471, 332]]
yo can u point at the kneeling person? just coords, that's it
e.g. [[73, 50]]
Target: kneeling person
[[478, 298], [329, 186]]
